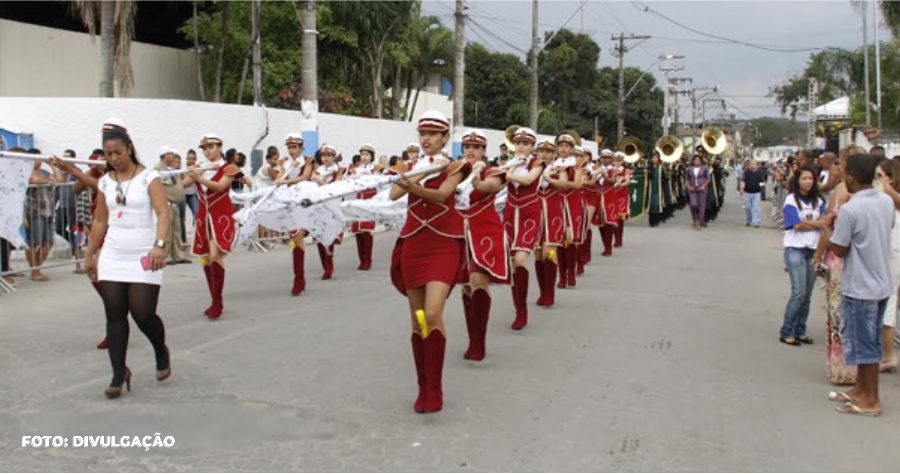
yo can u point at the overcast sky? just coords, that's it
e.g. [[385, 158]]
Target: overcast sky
[[743, 73]]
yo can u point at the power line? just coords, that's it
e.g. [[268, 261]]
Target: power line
[[774, 49]]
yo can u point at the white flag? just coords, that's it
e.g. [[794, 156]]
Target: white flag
[[14, 175]]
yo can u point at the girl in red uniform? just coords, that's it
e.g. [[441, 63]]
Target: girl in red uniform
[[326, 173], [214, 225], [606, 218], [428, 256], [363, 230], [622, 177], [574, 209], [522, 218], [296, 168], [553, 183], [591, 204], [487, 257]]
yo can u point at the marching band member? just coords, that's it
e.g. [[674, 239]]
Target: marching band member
[[214, 225], [88, 182], [487, 258], [296, 167], [412, 153], [574, 209], [326, 173], [428, 256], [622, 176], [553, 223], [522, 219], [656, 201], [606, 220], [591, 203], [363, 230]]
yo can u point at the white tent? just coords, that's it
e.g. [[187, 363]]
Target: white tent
[[837, 109]]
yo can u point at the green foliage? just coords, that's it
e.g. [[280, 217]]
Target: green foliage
[[774, 131], [496, 83]]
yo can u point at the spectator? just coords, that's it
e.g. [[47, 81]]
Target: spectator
[[752, 185], [268, 172], [738, 173], [65, 213], [805, 157], [878, 151], [888, 176], [802, 211], [501, 159], [190, 188], [174, 191], [862, 236], [38, 220], [828, 180]]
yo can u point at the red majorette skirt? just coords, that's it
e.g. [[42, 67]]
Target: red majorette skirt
[[577, 213], [219, 227], [523, 225], [364, 226], [592, 198], [554, 219], [427, 257]]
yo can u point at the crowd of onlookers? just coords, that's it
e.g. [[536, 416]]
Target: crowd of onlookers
[[841, 220]]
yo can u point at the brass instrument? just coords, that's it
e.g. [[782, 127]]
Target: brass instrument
[[670, 148], [714, 141], [631, 147], [508, 138]]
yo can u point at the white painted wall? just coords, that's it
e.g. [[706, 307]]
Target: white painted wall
[[61, 123], [37, 61]]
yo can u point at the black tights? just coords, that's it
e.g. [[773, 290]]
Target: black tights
[[140, 300]]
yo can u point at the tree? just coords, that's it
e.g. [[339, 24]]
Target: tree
[[643, 108], [495, 83], [434, 54], [890, 12], [225, 10], [839, 73], [116, 30], [773, 132], [567, 74], [377, 26], [197, 54]]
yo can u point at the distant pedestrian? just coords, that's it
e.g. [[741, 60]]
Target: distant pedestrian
[[802, 211], [888, 176], [862, 236], [752, 185], [697, 179]]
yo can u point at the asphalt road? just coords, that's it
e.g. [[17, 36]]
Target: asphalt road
[[664, 358]]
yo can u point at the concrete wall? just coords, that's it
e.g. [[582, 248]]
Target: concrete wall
[[58, 124], [36, 61]]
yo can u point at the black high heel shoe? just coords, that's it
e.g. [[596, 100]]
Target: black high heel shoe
[[116, 392], [165, 373]]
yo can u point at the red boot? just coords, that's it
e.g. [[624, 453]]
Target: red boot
[[571, 264], [435, 346], [587, 247], [418, 350], [211, 283], [520, 297], [470, 323], [620, 230], [562, 258], [481, 312], [539, 275], [550, 282], [367, 252], [360, 249], [327, 262], [299, 256], [579, 266], [217, 272], [104, 344], [606, 233]]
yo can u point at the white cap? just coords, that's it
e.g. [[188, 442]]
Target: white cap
[[606, 152], [209, 138], [165, 150], [293, 138], [524, 133], [367, 147], [328, 147], [474, 136], [413, 145], [433, 120], [114, 122], [619, 154]]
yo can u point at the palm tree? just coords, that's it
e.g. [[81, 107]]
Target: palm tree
[[434, 55], [116, 30], [890, 11]]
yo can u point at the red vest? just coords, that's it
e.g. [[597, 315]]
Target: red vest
[[441, 218]]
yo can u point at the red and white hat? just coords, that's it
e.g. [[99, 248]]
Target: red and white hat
[[579, 151], [546, 144], [210, 139], [433, 121], [606, 152], [413, 146], [294, 139], [367, 147], [565, 137], [328, 148], [524, 134], [113, 122], [473, 136]]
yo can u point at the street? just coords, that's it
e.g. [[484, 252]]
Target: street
[[664, 358]]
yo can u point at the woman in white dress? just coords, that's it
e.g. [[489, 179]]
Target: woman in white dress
[[132, 222]]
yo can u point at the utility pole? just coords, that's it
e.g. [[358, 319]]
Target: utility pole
[[877, 65], [459, 67], [865, 14], [257, 56], [309, 124], [666, 120], [535, 41], [621, 49]]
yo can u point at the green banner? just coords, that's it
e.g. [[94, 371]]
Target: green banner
[[637, 194]]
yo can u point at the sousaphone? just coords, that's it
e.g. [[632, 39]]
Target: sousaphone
[[670, 148], [631, 147], [508, 138], [714, 141]]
